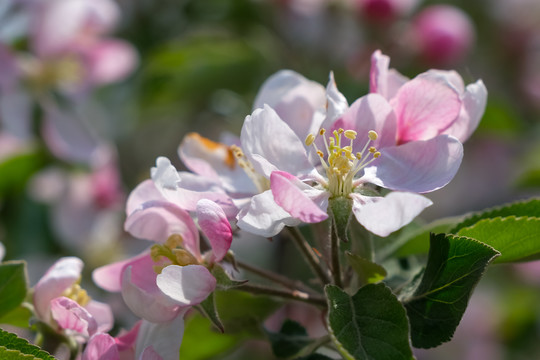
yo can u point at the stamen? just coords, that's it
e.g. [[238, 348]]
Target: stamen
[[372, 134], [350, 134], [310, 139], [372, 149], [260, 181]]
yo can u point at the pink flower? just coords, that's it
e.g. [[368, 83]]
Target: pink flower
[[384, 10], [435, 102], [443, 34], [60, 302]]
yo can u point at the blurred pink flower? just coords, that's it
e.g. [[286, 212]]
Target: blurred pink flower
[[442, 34], [382, 11], [60, 302]]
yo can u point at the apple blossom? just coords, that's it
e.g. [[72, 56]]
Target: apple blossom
[[60, 302]]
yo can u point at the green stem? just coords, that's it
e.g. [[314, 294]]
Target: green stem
[[308, 253], [277, 278], [284, 293], [334, 248]]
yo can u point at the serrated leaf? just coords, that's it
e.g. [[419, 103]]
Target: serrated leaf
[[209, 310], [224, 281], [290, 340], [12, 345], [529, 208], [368, 272], [517, 239], [455, 265], [372, 324], [13, 285]]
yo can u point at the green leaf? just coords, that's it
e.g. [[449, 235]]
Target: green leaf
[[529, 208], [20, 317], [224, 281], [209, 310], [13, 285], [435, 307], [372, 324], [291, 338], [199, 329], [314, 357], [516, 238], [13, 347], [368, 272], [17, 170]]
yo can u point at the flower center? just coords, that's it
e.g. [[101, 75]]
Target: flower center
[[260, 181], [170, 253], [341, 165], [76, 293]]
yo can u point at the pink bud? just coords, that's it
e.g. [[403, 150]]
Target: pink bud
[[382, 11], [443, 34]]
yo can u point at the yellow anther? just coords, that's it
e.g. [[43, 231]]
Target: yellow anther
[[322, 131], [320, 153], [174, 241], [358, 155], [347, 149], [350, 134], [341, 131], [184, 257], [158, 268], [373, 135], [372, 149], [376, 155], [310, 139]]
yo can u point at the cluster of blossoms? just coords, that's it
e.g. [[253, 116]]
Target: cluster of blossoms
[[304, 155]]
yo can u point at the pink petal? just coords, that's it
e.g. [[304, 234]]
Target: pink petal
[[186, 285], [164, 338], [150, 354], [157, 220], [336, 103], [216, 227], [64, 273], [101, 347], [264, 217], [425, 107], [126, 339], [383, 216], [288, 195], [71, 316], [418, 166], [109, 61], [370, 112], [295, 99], [102, 313], [109, 277], [283, 150], [143, 297], [382, 80], [474, 104], [145, 191]]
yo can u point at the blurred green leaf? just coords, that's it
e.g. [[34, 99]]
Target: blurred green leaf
[[291, 338], [14, 347], [435, 306], [368, 272], [20, 317], [372, 324], [516, 238], [209, 310], [17, 170], [13, 285], [500, 118], [224, 281]]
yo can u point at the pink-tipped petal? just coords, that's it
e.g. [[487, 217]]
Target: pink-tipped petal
[[418, 166], [145, 191], [126, 339], [283, 150], [425, 107], [102, 313], [474, 105], [142, 295], [64, 273], [264, 217], [216, 227], [370, 112], [101, 346], [165, 338], [290, 197], [383, 216], [71, 316], [157, 220], [382, 80], [109, 277]]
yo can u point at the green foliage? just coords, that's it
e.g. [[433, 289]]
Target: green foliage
[[17, 170], [371, 324], [224, 281], [13, 347], [209, 310], [368, 272], [290, 340], [517, 238], [13, 285], [435, 306], [20, 317]]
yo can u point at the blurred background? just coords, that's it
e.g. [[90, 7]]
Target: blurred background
[[91, 92]]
